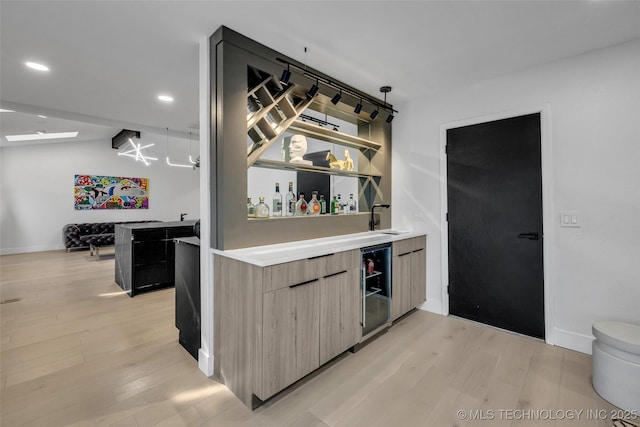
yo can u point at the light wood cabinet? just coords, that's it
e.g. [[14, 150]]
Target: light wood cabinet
[[409, 275], [418, 276], [290, 335], [339, 313], [276, 324], [273, 325], [400, 285]]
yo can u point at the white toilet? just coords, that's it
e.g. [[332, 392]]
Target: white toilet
[[616, 363]]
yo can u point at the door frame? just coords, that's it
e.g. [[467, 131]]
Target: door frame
[[547, 205]]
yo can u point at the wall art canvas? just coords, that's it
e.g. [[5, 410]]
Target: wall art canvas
[[110, 192]]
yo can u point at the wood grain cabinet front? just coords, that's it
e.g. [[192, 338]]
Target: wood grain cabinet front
[[290, 335], [339, 313], [273, 325], [409, 275]]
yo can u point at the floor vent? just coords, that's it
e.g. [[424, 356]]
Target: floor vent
[[7, 301]]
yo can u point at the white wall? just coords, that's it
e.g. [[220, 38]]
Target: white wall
[[594, 104], [36, 190]]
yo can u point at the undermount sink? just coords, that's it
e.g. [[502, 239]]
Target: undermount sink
[[392, 232]]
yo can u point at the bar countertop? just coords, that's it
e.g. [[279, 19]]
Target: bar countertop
[[264, 256]]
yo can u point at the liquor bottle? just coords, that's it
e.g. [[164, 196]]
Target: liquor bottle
[[335, 206], [251, 209], [301, 206], [290, 201], [276, 205], [313, 208], [341, 204], [323, 205], [351, 205], [262, 210]]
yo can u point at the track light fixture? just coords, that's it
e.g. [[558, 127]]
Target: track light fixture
[[313, 91], [336, 97], [286, 75], [386, 90], [319, 122], [358, 107]]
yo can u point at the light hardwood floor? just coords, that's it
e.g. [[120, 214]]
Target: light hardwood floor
[[76, 351]]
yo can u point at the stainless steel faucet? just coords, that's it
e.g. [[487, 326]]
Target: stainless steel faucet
[[182, 215], [372, 221]]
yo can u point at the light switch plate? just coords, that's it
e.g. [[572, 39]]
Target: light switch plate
[[570, 219]]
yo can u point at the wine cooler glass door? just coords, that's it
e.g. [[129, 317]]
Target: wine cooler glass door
[[375, 273]]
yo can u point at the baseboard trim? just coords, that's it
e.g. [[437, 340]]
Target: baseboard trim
[[13, 251], [432, 306], [205, 363], [572, 340]]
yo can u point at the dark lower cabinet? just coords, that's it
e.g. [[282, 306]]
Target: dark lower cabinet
[[145, 253], [188, 293]]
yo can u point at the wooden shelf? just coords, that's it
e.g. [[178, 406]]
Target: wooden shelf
[[329, 135], [274, 164]]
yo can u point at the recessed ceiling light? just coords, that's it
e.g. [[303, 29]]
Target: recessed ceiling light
[[38, 136], [165, 98], [37, 66], [2, 110], [41, 116]]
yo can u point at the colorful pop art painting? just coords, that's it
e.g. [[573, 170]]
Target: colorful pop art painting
[[111, 192]]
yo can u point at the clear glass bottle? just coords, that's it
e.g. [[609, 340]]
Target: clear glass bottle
[[313, 208], [335, 206], [352, 207], [290, 201], [341, 204], [301, 206], [323, 205], [276, 205], [262, 210], [251, 208]]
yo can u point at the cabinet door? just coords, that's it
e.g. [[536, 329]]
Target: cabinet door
[[339, 313], [418, 277], [401, 285], [290, 336]]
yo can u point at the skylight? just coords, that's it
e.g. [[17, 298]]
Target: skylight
[[37, 136]]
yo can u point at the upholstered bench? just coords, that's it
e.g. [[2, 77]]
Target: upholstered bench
[[616, 363]]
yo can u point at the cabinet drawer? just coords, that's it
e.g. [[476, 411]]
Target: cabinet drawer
[[402, 247], [338, 262], [291, 273], [298, 272]]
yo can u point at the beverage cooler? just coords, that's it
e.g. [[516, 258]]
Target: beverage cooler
[[375, 273]]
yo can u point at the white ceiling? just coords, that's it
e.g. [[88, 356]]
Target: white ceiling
[[110, 59]]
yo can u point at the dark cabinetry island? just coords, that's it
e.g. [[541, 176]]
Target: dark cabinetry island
[[188, 293], [145, 254]]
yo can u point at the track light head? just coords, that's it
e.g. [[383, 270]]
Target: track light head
[[374, 114], [358, 108], [286, 75], [313, 91], [390, 118], [336, 98]]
